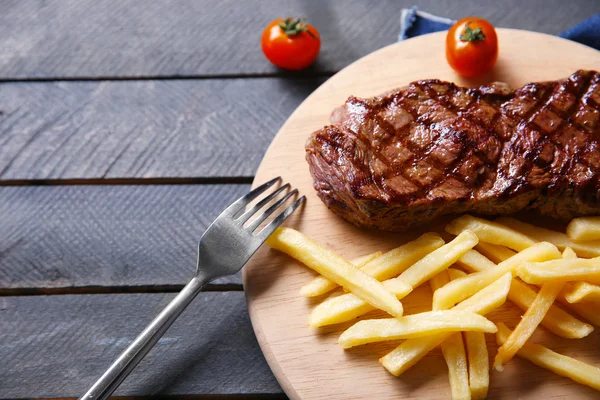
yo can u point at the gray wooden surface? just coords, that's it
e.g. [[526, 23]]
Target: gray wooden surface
[[117, 38], [55, 346], [142, 129], [95, 236], [125, 128]]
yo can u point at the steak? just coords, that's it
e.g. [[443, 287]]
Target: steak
[[432, 148]]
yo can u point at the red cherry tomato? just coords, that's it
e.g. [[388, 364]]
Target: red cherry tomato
[[290, 43], [471, 46]]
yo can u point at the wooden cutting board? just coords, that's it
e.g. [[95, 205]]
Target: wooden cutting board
[[308, 363]]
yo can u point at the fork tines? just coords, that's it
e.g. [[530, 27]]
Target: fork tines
[[239, 207]]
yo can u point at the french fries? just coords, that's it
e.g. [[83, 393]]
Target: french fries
[[440, 280], [461, 289], [411, 326], [578, 292], [383, 266], [396, 261], [560, 270], [479, 364], [439, 259], [335, 268], [494, 252], [569, 253], [591, 314], [347, 307], [559, 239], [559, 364], [456, 273], [453, 348], [461, 299], [556, 320], [532, 318], [584, 229], [454, 353], [529, 322], [321, 285], [412, 350], [490, 232]]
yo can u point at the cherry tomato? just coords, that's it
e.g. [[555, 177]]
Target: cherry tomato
[[471, 46], [291, 43]]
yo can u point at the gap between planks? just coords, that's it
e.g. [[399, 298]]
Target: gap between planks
[[309, 73], [226, 287], [266, 396], [129, 181]]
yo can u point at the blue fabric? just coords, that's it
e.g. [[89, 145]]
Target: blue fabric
[[415, 23], [586, 32]]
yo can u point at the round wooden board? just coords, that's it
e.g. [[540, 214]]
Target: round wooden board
[[308, 363]]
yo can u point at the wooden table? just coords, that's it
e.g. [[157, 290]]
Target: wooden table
[[125, 128]]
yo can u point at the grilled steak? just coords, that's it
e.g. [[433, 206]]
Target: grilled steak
[[432, 148]]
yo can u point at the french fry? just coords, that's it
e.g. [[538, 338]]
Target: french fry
[[559, 239], [560, 270], [335, 268], [454, 353], [396, 261], [411, 326], [479, 364], [382, 266], [474, 261], [569, 253], [412, 350], [320, 285], [439, 280], [494, 252], [556, 320], [439, 259], [488, 298], [560, 364], [456, 273], [528, 324], [453, 348], [461, 289], [346, 307], [578, 292], [589, 313], [532, 318], [478, 381], [584, 229], [490, 232], [583, 309]]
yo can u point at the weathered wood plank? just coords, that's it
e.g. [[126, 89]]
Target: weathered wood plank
[[143, 129], [106, 236], [118, 38], [57, 346]]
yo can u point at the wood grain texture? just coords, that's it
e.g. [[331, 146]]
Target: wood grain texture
[[116, 38], [57, 346], [143, 129], [297, 354], [106, 236]]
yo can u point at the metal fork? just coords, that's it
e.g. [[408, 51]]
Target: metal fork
[[223, 250]]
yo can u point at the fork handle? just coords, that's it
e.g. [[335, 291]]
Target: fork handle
[[127, 361]]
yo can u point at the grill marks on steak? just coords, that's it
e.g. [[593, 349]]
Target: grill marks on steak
[[432, 148]]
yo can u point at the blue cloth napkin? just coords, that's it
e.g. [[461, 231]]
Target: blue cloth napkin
[[414, 22]]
